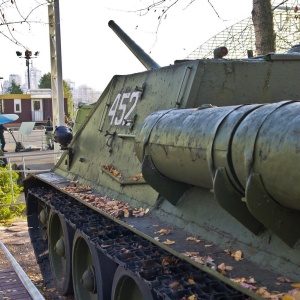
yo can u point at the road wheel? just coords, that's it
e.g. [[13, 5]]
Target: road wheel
[[60, 239], [127, 286], [92, 271]]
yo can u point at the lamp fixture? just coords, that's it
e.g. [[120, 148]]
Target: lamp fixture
[[27, 56]]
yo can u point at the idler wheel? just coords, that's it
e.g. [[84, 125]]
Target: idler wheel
[[60, 238], [127, 286]]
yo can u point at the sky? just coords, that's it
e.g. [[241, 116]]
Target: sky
[[92, 53]]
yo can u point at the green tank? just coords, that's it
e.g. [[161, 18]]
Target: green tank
[[182, 183], [82, 113]]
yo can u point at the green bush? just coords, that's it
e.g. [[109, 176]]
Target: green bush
[[7, 212]]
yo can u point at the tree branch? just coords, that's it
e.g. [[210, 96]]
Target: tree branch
[[14, 41], [214, 9], [4, 20]]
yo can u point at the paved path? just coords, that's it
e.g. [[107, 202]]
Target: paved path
[[17, 234], [11, 286], [14, 237]]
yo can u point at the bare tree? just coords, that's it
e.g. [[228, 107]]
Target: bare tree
[[12, 17], [262, 18]]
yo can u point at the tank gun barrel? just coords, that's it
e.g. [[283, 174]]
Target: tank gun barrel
[[143, 57], [243, 151]]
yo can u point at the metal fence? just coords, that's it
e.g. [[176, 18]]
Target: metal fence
[[25, 280], [38, 160], [37, 137]]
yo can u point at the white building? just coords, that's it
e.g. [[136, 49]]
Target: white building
[[85, 94], [71, 83], [35, 77], [16, 78], [12, 77]]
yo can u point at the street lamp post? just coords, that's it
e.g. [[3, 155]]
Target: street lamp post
[[1, 85], [28, 56], [2, 108]]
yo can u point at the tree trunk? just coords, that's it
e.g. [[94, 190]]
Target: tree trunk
[[262, 18]]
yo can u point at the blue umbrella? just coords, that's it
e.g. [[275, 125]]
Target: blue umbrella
[[7, 118]]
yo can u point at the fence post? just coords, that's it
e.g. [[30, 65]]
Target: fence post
[[11, 182]]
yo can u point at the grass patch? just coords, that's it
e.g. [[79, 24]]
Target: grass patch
[[8, 212], [9, 222]]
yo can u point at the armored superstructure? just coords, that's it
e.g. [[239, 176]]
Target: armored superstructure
[[177, 173]]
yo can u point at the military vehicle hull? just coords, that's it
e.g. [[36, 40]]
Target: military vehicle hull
[[182, 179]]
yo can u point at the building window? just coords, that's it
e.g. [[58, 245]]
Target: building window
[[37, 105], [17, 106]]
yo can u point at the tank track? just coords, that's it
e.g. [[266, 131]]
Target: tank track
[[168, 276], [40, 247]]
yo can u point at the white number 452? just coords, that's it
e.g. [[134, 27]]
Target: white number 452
[[122, 107]]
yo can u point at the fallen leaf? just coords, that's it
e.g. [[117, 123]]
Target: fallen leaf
[[295, 293], [237, 255], [126, 213], [175, 285], [222, 267], [283, 279], [168, 242], [199, 260], [275, 297], [139, 214], [137, 177], [251, 280], [167, 260], [112, 203], [191, 254], [163, 231], [191, 281], [295, 285], [263, 292], [248, 286], [194, 239], [206, 246], [238, 280], [207, 259], [287, 297]]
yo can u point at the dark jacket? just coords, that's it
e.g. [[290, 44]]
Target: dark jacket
[[2, 128], [49, 126]]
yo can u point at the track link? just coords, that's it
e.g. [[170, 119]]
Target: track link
[[168, 276]]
